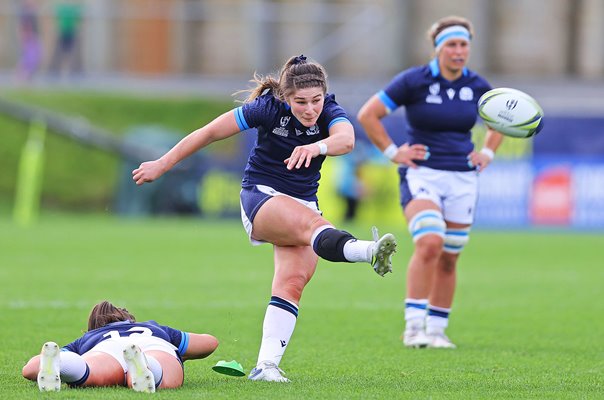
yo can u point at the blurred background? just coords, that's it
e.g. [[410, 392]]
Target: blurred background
[[90, 88]]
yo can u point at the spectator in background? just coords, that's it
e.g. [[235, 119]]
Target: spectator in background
[[349, 182], [349, 185], [29, 34], [66, 56]]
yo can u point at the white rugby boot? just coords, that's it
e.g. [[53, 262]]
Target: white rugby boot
[[49, 375], [267, 371], [415, 337], [382, 251], [140, 374], [438, 340]]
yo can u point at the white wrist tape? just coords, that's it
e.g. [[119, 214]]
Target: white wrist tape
[[488, 152], [391, 151], [322, 148]]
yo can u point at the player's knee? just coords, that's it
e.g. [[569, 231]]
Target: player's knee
[[456, 239], [429, 247], [329, 244], [427, 223]]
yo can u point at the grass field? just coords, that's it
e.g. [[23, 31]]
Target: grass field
[[527, 318]]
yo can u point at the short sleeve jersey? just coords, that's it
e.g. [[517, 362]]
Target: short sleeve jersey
[[279, 132], [177, 338], [440, 113]]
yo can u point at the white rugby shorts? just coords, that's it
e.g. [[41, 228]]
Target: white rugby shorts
[[115, 347], [455, 192]]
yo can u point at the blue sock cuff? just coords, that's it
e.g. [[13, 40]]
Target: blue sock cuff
[[438, 313], [421, 306], [284, 305]]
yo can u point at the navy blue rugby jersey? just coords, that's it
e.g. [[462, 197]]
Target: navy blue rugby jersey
[[279, 132], [126, 328], [440, 113]]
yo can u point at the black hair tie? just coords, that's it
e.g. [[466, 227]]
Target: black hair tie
[[299, 59]]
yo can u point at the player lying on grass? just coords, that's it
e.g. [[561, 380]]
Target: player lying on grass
[[118, 351]]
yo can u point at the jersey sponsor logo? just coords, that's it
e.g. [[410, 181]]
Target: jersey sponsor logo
[[299, 132], [466, 94], [450, 93], [434, 96], [283, 343], [313, 130], [281, 131]]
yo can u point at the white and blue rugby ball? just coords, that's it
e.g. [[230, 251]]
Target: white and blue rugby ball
[[511, 112]]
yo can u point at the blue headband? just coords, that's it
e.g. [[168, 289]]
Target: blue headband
[[452, 32]]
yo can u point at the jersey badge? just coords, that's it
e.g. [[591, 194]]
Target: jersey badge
[[313, 130], [434, 96], [466, 94]]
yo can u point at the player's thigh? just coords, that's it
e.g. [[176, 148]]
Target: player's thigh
[[173, 374], [416, 206], [459, 205], [284, 221], [294, 267], [105, 370]]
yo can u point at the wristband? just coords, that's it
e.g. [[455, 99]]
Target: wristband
[[391, 151], [322, 148], [488, 152]]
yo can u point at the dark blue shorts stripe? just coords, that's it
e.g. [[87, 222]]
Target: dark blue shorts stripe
[[405, 192], [284, 305], [251, 201]]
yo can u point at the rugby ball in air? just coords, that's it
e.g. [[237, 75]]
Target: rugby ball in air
[[511, 112]]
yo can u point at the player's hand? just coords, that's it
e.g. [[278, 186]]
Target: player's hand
[[406, 154], [478, 160], [302, 156], [148, 171]]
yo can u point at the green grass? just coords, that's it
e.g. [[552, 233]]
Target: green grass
[[527, 317], [78, 177]]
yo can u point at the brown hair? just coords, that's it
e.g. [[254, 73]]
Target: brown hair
[[297, 73], [105, 313], [446, 22]]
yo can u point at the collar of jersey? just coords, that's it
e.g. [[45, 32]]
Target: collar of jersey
[[435, 69], [119, 322]]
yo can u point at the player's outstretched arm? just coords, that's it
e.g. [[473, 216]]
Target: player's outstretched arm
[[201, 345], [220, 128]]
